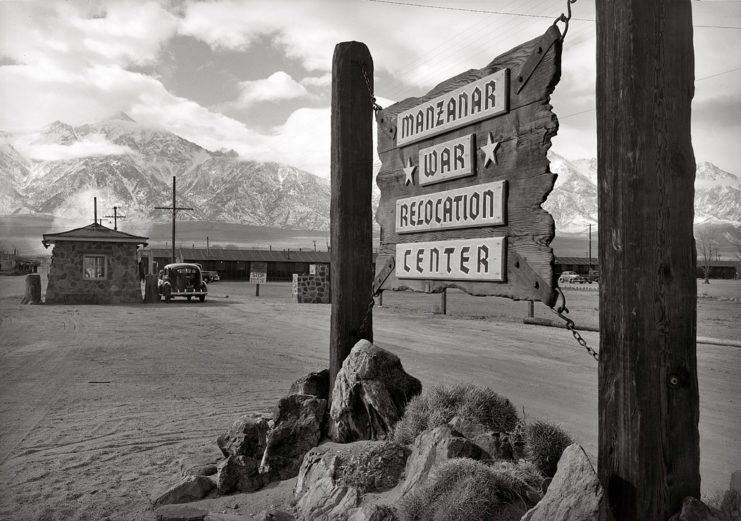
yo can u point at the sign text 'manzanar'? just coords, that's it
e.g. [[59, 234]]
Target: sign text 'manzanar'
[[469, 207], [480, 259], [478, 100]]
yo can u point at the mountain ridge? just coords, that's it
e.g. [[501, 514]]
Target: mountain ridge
[[131, 166], [59, 168]]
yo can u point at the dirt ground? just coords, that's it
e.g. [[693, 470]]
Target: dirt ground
[[100, 404]]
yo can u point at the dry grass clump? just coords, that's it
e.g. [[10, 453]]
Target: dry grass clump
[[468, 490], [544, 444], [439, 404]]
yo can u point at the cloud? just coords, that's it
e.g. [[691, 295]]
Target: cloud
[[74, 36], [276, 87], [92, 145], [325, 80]]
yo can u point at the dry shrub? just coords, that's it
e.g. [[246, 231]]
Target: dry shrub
[[544, 444], [468, 490], [439, 404]]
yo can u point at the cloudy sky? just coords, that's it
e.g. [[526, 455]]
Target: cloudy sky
[[254, 76]]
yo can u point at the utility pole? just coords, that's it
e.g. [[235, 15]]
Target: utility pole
[[590, 248], [95, 210], [115, 217], [175, 210], [649, 455]]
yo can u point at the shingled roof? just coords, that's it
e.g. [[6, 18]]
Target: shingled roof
[[92, 233]]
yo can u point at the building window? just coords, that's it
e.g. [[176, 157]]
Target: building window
[[94, 267]]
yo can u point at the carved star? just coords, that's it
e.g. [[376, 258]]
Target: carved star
[[490, 150], [408, 171]]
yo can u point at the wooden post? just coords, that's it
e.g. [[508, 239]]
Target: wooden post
[[443, 307], [33, 290], [151, 290], [530, 309], [350, 211], [648, 395], [257, 290]]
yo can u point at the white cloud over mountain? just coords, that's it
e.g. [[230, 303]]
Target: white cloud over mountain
[[92, 146], [276, 87], [80, 61]]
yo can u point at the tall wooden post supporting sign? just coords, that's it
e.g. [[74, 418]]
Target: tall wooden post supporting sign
[[648, 394], [350, 211]]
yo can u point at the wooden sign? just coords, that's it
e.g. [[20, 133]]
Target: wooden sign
[[258, 278], [469, 207], [449, 160], [479, 99], [258, 273], [460, 259], [464, 174]]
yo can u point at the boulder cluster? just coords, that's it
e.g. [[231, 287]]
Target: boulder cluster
[[355, 460]]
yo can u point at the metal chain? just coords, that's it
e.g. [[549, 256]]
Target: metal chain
[[367, 315], [571, 326], [376, 106], [565, 18]]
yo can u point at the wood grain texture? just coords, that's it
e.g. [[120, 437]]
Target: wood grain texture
[[351, 214], [151, 289], [525, 134], [648, 392]]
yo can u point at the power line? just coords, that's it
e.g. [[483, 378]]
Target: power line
[[466, 40], [720, 73], [468, 10], [698, 79], [507, 13]]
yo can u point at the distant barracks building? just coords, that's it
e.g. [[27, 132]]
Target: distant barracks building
[[235, 263], [93, 265]]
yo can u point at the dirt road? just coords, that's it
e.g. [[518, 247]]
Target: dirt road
[[98, 404]]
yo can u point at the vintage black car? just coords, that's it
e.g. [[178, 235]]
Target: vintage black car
[[183, 280]]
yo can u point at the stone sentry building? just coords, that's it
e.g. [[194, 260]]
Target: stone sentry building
[[93, 265]]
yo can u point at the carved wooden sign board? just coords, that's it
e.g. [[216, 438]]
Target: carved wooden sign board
[[463, 176]]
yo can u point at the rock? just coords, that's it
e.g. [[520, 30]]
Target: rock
[[180, 513], [731, 505], [695, 510], [368, 466], [246, 437], [239, 473], [495, 445], [191, 488], [374, 513], [207, 469], [575, 493], [370, 394], [470, 429], [326, 501], [432, 448], [216, 516], [315, 384], [299, 419], [274, 515], [736, 481]]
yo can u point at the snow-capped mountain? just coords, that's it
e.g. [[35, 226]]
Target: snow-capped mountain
[[60, 168], [573, 202]]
